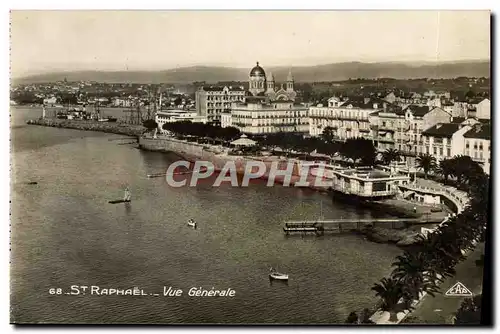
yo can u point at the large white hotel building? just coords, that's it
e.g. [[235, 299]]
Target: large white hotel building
[[262, 109]]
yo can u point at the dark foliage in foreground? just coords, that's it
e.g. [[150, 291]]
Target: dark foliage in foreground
[[438, 253], [469, 312]]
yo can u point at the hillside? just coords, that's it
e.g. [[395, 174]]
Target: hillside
[[318, 73]]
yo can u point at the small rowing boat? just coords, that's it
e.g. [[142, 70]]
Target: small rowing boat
[[278, 276], [191, 223]]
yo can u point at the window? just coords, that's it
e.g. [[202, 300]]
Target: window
[[448, 152], [441, 151], [435, 150]]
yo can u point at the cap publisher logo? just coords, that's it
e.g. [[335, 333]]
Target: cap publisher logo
[[458, 290]]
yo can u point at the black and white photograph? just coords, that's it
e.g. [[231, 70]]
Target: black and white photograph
[[250, 167]]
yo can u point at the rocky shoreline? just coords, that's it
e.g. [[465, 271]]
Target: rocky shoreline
[[402, 238]]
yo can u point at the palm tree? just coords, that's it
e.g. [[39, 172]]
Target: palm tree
[[426, 162], [412, 271], [441, 255], [390, 155], [390, 291], [446, 169]]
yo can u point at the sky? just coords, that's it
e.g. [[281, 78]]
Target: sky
[[48, 41]]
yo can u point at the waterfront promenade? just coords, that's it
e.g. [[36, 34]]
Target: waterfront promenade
[[441, 309], [464, 269]]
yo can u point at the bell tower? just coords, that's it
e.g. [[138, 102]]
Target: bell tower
[[289, 82], [270, 82]]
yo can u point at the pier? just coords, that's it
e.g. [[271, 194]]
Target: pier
[[320, 227]]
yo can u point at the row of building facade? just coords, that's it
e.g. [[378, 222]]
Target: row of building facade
[[413, 125]]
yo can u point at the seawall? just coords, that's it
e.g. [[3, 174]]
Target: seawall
[[86, 125], [194, 151]]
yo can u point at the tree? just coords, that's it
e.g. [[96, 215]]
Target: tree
[[365, 317], [426, 162], [440, 251], [446, 168], [469, 312], [390, 291], [464, 168], [441, 254], [26, 98], [412, 272], [230, 133], [359, 149], [328, 134], [352, 318], [69, 98], [390, 155], [150, 124]]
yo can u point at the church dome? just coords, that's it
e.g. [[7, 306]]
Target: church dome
[[257, 71]]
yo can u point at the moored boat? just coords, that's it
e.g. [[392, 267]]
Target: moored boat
[[191, 223], [278, 276]]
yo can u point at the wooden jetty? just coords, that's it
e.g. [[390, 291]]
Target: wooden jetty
[[319, 227]]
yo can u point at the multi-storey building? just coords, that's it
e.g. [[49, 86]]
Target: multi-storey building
[[258, 117], [385, 126], [170, 116], [444, 141], [401, 128], [267, 108], [348, 119], [477, 107], [469, 137], [483, 109], [212, 101], [478, 145]]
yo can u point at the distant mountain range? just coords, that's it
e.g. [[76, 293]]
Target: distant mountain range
[[318, 73]]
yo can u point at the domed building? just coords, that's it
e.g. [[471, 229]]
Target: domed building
[[257, 80], [263, 108], [261, 85], [266, 108]]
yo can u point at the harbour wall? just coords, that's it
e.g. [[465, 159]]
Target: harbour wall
[[120, 128]]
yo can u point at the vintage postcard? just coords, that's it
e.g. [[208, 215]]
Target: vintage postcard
[[250, 167]]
